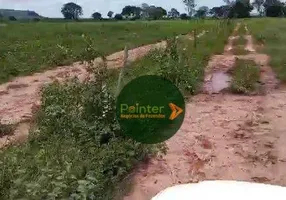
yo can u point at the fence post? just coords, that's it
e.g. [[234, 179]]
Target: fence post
[[195, 38], [122, 71]]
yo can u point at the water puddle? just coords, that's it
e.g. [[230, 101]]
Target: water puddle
[[218, 82]]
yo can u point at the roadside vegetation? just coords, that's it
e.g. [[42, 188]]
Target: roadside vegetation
[[271, 34], [77, 150], [246, 76]]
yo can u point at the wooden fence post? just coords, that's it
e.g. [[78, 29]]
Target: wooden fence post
[[122, 71], [195, 38]]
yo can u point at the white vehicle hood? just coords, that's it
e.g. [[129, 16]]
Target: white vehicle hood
[[223, 190]]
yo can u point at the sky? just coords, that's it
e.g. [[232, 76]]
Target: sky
[[52, 8]]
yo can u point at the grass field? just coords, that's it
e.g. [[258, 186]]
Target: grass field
[[30, 47], [272, 34], [76, 152]]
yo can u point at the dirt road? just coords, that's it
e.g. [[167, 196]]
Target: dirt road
[[224, 136]]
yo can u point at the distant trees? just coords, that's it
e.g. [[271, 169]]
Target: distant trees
[[110, 14], [240, 9], [184, 16], [131, 11], [71, 11], [202, 12], [97, 16], [173, 13], [233, 9], [118, 17], [275, 11], [220, 12], [146, 11], [190, 6], [274, 8], [156, 12]]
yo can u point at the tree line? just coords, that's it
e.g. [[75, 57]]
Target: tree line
[[231, 9]]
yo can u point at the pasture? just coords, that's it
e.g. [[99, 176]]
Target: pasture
[[26, 48]]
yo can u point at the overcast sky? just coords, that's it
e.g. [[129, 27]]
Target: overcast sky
[[52, 8]]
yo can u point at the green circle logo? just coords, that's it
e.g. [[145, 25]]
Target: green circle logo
[[150, 109]]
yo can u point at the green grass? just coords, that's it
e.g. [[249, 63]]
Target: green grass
[[77, 152], [245, 77], [272, 34], [30, 47]]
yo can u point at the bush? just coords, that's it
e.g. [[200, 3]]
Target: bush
[[77, 151], [184, 60]]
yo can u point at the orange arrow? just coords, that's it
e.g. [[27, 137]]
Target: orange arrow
[[176, 111]]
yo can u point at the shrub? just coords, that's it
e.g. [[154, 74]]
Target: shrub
[[184, 60], [78, 150]]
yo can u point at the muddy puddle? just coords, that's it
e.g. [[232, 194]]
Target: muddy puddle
[[217, 82]]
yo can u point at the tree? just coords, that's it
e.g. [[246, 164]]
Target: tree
[[190, 5], [269, 3], [110, 14], [184, 16], [118, 17], [273, 8], [131, 11], [97, 16], [275, 11], [220, 12], [156, 12], [202, 12], [258, 4], [71, 11], [174, 13], [240, 9]]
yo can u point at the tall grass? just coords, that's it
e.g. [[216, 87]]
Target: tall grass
[[271, 33]]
